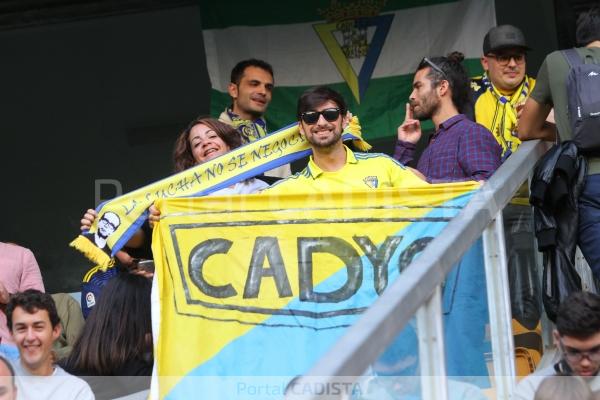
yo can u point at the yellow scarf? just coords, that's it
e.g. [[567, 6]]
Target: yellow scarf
[[119, 218], [497, 112]]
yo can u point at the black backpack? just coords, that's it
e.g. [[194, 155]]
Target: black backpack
[[583, 91]]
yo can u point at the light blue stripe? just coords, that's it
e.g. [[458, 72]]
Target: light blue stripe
[[280, 359]]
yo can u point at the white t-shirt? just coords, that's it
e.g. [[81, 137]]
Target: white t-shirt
[[245, 187], [59, 386]]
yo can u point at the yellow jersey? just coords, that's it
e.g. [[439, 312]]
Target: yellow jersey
[[361, 171]]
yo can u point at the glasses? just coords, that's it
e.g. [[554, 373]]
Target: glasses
[[504, 59], [434, 66], [575, 355], [311, 117]]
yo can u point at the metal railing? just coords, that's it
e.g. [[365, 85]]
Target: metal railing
[[418, 291]]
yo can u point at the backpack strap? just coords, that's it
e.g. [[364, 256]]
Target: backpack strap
[[572, 57]]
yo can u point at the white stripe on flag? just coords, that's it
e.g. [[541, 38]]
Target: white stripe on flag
[[300, 59]]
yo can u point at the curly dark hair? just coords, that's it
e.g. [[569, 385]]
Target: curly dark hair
[[451, 70], [32, 300], [579, 315], [182, 153]]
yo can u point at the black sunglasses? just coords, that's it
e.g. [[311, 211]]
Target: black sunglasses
[[311, 117], [504, 59]]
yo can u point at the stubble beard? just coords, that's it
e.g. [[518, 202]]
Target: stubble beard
[[328, 143]]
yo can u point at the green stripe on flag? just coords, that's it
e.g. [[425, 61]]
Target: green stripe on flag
[[220, 15]]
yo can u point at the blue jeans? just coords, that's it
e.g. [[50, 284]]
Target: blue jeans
[[589, 223]]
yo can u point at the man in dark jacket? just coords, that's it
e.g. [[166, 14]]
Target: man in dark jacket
[[551, 91]]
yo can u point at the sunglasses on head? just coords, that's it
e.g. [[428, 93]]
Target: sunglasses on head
[[311, 117], [434, 66]]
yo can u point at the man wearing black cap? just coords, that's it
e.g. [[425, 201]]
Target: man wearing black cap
[[504, 86], [498, 94]]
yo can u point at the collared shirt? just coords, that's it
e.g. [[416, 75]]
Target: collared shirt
[[459, 150], [361, 171]]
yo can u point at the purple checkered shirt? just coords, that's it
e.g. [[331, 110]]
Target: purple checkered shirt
[[459, 150]]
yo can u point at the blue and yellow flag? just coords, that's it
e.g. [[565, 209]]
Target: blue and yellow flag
[[263, 285]]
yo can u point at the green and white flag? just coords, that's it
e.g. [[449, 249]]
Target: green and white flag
[[366, 49]]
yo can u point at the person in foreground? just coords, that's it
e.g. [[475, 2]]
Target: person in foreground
[[577, 338], [34, 324], [116, 342]]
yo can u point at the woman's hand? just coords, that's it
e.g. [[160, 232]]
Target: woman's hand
[[88, 219]]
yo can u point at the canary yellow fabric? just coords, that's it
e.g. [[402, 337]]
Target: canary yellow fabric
[[119, 218], [361, 171], [497, 111], [240, 296]]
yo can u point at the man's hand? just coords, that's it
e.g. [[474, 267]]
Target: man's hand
[[410, 130], [346, 120], [88, 219]]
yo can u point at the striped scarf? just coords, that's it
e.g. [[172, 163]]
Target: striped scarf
[[505, 114], [250, 130]]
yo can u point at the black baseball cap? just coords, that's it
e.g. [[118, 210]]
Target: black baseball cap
[[504, 37]]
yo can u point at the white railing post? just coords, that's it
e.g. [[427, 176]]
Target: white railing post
[[432, 354], [364, 342], [498, 294]]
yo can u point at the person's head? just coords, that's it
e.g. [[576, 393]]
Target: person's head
[[118, 328], [320, 114], [251, 88], [34, 323], [8, 389], [563, 387], [577, 333], [588, 26], [107, 224], [439, 82], [503, 58], [204, 139]]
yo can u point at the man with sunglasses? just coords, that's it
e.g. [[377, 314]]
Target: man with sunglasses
[[504, 86], [460, 149], [322, 113], [577, 338]]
